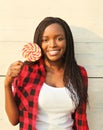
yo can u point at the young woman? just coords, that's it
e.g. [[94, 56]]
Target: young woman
[[51, 93]]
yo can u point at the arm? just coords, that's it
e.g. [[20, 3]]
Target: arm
[[10, 105], [80, 117]]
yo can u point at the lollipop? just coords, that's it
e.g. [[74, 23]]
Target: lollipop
[[31, 52]]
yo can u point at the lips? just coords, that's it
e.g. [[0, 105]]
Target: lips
[[53, 52]]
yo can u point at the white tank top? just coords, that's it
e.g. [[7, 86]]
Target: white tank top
[[55, 108]]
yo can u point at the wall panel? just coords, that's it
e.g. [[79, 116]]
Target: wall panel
[[18, 20]]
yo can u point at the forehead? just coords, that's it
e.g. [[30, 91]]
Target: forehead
[[54, 28]]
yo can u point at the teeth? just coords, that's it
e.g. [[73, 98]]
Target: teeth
[[53, 52]]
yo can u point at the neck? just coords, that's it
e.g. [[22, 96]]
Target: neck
[[53, 65]]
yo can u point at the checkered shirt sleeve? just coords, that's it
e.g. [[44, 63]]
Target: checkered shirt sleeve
[[80, 119], [26, 90]]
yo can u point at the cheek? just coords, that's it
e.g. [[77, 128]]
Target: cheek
[[64, 47], [44, 47]]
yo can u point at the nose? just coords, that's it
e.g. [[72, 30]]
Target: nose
[[52, 43]]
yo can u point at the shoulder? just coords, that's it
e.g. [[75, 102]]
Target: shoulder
[[29, 70], [33, 68], [84, 75], [83, 71], [32, 65]]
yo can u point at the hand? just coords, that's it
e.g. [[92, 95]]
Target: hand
[[13, 71]]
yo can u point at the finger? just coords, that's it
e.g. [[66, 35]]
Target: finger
[[15, 68], [13, 72], [17, 63]]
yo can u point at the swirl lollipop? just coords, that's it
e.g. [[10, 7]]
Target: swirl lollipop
[[31, 52]]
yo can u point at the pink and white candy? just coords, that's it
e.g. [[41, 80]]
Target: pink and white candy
[[31, 52]]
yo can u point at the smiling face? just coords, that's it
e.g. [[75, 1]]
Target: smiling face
[[53, 42]]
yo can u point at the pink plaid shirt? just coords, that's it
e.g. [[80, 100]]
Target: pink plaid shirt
[[26, 90]]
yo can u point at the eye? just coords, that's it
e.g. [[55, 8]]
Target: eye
[[60, 38], [44, 40]]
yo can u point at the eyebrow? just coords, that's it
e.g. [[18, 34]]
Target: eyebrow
[[56, 35]]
